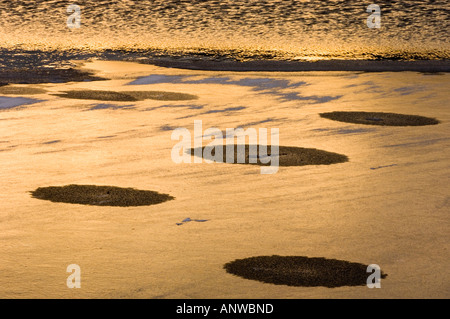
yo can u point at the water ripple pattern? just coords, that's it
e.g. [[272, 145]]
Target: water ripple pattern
[[301, 29]]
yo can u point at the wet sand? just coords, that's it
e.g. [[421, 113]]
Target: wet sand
[[394, 216]]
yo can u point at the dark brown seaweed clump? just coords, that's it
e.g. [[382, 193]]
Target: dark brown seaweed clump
[[34, 76], [100, 195], [287, 155], [300, 271], [11, 90], [161, 95], [97, 95], [380, 118], [128, 96]]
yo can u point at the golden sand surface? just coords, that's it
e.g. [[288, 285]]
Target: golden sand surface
[[388, 205]]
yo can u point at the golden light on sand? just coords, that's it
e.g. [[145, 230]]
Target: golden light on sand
[[229, 149], [388, 196]]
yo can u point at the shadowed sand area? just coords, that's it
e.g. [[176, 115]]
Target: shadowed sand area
[[11, 90], [300, 271], [13, 102], [288, 156], [100, 195], [430, 66], [35, 76], [129, 96], [380, 118]]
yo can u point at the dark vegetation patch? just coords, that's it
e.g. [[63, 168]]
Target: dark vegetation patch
[[300, 271], [380, 118], [100, 195], [287, 155]]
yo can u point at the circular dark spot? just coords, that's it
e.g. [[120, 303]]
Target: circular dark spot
[[380, 118], [257, 155], [100, 195], [300, 271]]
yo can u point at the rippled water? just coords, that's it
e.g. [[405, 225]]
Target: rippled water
[[293, 29]]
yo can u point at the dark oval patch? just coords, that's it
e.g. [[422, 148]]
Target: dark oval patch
[[380, 118], [11, 90], [128, 96], [287, 155], [97, 95], [100, 195], [161, 95], [300, 271]]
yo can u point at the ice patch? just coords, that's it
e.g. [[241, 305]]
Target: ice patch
[[419, 143], [344, 130], [159, 78], [296, 97], [353, 131], [52, 142], [385, 166], [187, 220], [226, 110], [258, 84], [407, 90], [259, 122], [12, 102], [189, 106], [167, 128]]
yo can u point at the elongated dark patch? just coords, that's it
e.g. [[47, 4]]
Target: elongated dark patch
[[380, 118], [300, 271], [258, 155], [128, 96], [100, 195], [34, 76], [97, 95], [11, 90], [161, 95]]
